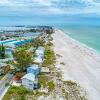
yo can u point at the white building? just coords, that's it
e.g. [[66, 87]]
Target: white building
[[38, 60], [34, 69], [39, 55], [29, 81], [40, 51]]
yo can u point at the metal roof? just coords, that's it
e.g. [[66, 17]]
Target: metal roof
[[29, 76]]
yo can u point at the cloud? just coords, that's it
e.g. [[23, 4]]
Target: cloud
[[51, 6]]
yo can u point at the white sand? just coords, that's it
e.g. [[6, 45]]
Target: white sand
[[81, 64]]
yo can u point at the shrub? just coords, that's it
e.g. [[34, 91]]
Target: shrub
[[6, 69], [49, 57], [17, 90], [43, 80], [51, 86]]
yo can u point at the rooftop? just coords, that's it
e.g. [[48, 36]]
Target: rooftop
[[38, 59], [6, 41], [40, 51], [29, 76], [40, 48], [34, 66]]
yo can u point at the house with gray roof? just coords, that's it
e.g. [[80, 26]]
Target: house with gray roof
[[30, 81]]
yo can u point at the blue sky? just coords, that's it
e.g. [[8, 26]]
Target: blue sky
[[42, 10], [50, 6]]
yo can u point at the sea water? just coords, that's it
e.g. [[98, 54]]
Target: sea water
[[88, 35]]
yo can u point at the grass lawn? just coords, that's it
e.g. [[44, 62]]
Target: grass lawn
[[49, 56], [46, 82], [18, 93], [43, 80]]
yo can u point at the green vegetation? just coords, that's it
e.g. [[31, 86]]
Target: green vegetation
[[70, 83], [2, 52], [23, 58], [51, 86], [6, 69], [49, 31], [11, 62], [37, 93], [49, 56], [65, 93], [58, 75], [18, 93], [38, 42], [43, 80], [18, 90], [1, 76], [24, 47]]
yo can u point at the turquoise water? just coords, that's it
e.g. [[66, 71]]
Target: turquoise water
[[84, 28], [89, 35]]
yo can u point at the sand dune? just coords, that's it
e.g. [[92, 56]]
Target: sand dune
[[81, 64]]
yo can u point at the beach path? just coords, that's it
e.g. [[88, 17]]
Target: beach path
[[80, 64]]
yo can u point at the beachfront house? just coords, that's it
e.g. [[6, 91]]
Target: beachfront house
[[29, 81], [38, 60], [34, 69], [40, 52], [39, 55]]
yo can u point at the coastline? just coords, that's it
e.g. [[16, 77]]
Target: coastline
[[86, 44], [81, 63], [90, 49]]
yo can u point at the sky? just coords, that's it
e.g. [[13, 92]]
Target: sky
[[39, 11]]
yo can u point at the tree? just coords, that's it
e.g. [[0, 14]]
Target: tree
[[49, 31], [6, 69], [2, 52], [23, 58], [51, 86], [38, 42]]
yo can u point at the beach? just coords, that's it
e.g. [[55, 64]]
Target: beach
[[80, 63]]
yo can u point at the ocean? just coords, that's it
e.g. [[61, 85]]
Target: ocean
[[83, 28], [88, 35]]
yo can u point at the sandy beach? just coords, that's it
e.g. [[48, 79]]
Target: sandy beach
[[81, 64]]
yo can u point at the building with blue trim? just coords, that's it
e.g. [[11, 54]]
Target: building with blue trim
[[29, 81], [34, 69]]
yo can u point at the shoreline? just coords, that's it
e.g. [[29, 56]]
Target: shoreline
[[92, 50], [97, 52], [89, 50], [81, 63]]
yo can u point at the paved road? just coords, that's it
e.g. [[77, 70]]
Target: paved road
[[3, 88]]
